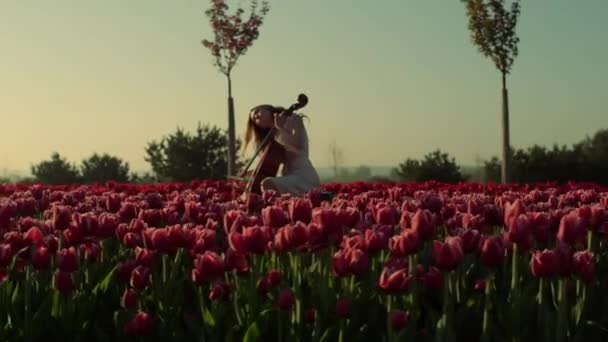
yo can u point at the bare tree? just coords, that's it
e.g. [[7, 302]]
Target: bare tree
[[336, 156], [492, 29]]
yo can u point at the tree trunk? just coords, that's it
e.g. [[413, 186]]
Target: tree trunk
[[506, 158], [231, 133]]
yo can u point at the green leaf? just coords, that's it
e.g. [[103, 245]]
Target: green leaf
[[208, 317], [252, 333], [56, 308], [15, 296], [103, 285], [41, 315], [326, 335]]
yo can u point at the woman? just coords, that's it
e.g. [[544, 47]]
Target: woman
[[298, 174]]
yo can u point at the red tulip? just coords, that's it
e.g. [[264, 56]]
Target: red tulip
[[286, 299], [67, 259], [87, 223], [125, 269], [540, 225], [330, 223], [492, 252], [140, 277], [350, 261], [230, 218], [513, 211], [374, 241], [144, 257], [6, 254], [256, 239], [519, 229], [571, 229], [480, 285], [15, 240], [404, 244], [63, 282], [291, 237], [34, 237], [353, 241], [563, 255], [128, 299], [597, 217], [422, 223], [72, 236], [127, 212], [162, 242], [61, 217], [3, 275], [343, 308], [112, 202], [137, 226], [206, 267], [448, 254], [433, 279], [399, 320], [544, 264], [141, 325], [584, 265], [180, 237], [236, 261], [300, 209], [394, 281], [91, 251], [275, 217], [470, 241], [41, 258], [386, 215], [107, 225], [274, 277], [220, 290], [310, 315]]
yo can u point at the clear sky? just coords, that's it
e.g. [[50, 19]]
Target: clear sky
[[386, 79]]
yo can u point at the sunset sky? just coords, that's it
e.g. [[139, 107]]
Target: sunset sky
[[386, 79]]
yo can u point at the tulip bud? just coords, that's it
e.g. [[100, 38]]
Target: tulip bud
[[343, 308], [128, 299], [63, 282], [286, 300], [399, 320]]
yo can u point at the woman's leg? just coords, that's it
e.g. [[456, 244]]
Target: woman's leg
[[268, 184]]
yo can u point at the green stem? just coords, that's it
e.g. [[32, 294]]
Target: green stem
[[280, 326], [541, 309], [201, 298], [389, 329], [27, 308], [447, 308], [486, 309], [582, 308], [562, 327], [515, 293], [514, 269]]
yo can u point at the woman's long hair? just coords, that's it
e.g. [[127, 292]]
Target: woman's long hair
[[255, 134]]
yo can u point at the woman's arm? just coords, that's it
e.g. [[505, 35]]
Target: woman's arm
[[292, 135]]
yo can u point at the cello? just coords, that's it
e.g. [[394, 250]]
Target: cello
[[272, 154]]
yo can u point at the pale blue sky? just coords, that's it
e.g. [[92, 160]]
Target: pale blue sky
[[387, 79]]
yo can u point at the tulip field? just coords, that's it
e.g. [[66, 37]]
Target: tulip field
[[379, 261]]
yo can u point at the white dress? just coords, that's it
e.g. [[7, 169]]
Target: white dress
[[298, 175]]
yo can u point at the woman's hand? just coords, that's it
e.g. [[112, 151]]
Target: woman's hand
[[279, 121]]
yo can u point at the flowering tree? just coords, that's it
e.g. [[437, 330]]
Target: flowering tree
[[233, 35], [492, 29]]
